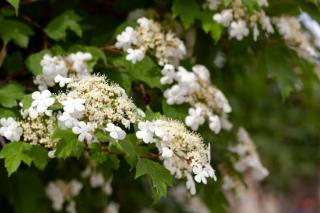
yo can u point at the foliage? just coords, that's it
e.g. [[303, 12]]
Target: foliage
[[271, 82]]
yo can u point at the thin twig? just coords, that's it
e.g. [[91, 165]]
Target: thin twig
[[111, 48], [3, 53], [2, 141]]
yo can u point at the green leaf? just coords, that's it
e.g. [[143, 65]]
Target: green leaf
[[175, 111], [33, 61], [96, 153], [146, 71], [160, 177], [4, 113], [96, 52], [16, 31], [28, 192], [227, 2], [129, 150], [15, 5], [251, 5], [210, 26], [57, 28], [150, 115], [188, 11], [10, 93], [26, 101], [14, 153], [68, 144], [39, 156], [278, 65]]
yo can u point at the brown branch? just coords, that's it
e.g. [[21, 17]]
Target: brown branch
[[111, 48], [3, 53], [2, 141]]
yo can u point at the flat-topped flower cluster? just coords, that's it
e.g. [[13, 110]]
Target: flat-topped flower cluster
[[183, 152], [239, 20], [194, 87], [148, 37], [246, 162], [247, 157]]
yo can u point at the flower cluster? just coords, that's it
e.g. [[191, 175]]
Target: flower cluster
[[165, 46], [60, 192], [291, 31], [91, 104], [312, 26], [248, 158], [183, 152], [61, 70], [238, 19], [195, 88], [39, 130], [233, 187], [97, 180]]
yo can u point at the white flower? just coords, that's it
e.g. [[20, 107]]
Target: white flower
[[115, 131], [40, 104], [112, 208], [67, 120], [190, 184], [222, 101], [126, 39], [135, 55], [10, 129], [225, 123], [125, 123], [73, 105], [219, 60], [312, 25], [210, 171], [52, 153], [200, 174], [224, 18], [214, 124], [84, 130], [141, 113], [202, 72], [212, 4], [55, 194], [263, 3], [238, 29], [78, 60], [96, 180], [71, 207], [195, 118], [168, 73], [52, 66], [166, 152], [266, 23], [176, 94], [144, 22], [75, 187], [146, 131], [62, 80], [187, 79]]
